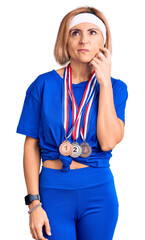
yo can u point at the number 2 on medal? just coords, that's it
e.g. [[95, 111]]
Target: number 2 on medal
[[75, 149]]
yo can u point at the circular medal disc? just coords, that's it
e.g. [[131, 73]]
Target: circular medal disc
[[66, 148], [76, 150], [86, 150]]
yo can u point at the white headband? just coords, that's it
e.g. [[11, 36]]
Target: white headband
[[91, 18]]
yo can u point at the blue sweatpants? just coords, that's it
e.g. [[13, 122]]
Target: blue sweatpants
[[81, 204]]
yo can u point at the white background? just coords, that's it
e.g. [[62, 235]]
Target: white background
[[28, 32]]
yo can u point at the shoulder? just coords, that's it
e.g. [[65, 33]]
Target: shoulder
[[117, 83], [120, 88], [39, 81], [47, 80], [60, 71], [37, 86]]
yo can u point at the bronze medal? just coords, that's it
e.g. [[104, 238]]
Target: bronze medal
[[66, 148], [86, 150]]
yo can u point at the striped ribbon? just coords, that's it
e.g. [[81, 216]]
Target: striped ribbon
[[86, 101]]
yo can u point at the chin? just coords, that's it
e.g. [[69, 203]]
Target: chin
[[84, 59]]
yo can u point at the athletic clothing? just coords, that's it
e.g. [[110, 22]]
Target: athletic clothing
[[81, 204], [41, 118]]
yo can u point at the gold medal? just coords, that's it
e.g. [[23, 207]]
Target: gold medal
[[66, 148]]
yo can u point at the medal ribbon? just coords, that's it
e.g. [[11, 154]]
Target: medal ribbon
[[77, 112], [75, 132], [84, 133], [66, 100]]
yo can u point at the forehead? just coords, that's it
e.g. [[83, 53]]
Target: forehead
[[85, 26]]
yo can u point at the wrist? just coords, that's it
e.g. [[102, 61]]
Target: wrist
[[33, 203], [106, 84]]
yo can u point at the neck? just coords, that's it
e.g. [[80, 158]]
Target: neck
[[80, 72]]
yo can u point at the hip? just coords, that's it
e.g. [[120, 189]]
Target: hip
[[74, 178]]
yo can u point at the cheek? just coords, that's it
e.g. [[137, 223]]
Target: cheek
[[71, 46], [98, 42], [95, 49], [96, 45], [70, 50]]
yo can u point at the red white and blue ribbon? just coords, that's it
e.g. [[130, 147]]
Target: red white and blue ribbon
[[86, 118], [77, 112], [66, 100], [89, 101]]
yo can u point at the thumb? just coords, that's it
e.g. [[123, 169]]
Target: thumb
[[47, 227]]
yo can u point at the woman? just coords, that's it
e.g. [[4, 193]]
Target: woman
[[73, 118]]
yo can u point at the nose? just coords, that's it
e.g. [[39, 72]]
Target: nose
[[84, 38]]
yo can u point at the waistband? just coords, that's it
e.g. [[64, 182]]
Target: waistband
[[75, 178]]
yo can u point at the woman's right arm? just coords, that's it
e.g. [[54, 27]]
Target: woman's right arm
[[31, 164]]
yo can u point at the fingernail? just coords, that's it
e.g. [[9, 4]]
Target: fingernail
[[49, 234]]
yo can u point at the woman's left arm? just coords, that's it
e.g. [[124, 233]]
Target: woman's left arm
[[110, 129]]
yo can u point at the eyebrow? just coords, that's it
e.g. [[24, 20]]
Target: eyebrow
[[80, 30]]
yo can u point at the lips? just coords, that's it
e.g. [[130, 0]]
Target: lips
[[83, 50]]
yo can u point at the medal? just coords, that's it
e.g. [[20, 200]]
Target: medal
[[86, 150], [66, 148], [76, 150]]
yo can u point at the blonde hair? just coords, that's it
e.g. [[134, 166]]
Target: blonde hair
[[60, 49]]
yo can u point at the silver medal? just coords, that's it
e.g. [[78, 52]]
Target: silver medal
[[76, 150]]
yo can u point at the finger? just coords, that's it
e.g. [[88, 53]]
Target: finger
[[101, 56], [47, 227], [33, 233], [106, 51], [95, 64], [39, 232], [95, 61]]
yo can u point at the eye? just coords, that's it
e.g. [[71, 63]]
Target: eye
[[93, 32], [75, 33]]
